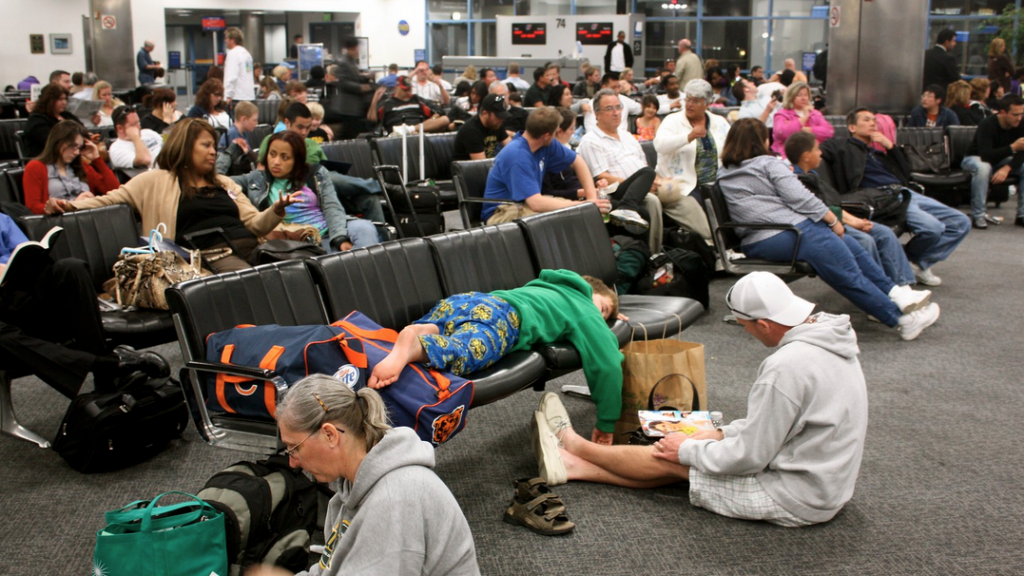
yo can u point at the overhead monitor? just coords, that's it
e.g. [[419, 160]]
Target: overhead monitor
[[529, 33], [594, 33]]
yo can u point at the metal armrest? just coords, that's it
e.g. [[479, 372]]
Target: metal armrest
[[240, 371], [488, 201], [796, 246]]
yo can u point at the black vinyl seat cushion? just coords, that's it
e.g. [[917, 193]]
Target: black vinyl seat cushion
[[97, 236]]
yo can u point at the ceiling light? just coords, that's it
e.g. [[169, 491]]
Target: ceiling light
[[456, 16]]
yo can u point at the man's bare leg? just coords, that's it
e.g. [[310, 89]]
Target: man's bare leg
[[633, 466], [436, 124], [406, 351]]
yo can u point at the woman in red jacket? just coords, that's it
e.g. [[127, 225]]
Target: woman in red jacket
[[69, 168]]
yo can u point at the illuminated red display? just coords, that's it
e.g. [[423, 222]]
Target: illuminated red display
[[597, 33], [532, 33]]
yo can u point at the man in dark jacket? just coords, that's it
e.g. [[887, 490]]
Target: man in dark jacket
[[932, 112], [618, 56], [855, 163], [996, 153], [940, 66], [348, 94]]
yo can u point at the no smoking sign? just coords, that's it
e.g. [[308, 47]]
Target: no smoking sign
[[108, 22]]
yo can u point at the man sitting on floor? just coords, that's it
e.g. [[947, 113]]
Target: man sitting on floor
[[855, 164], [793, 461], [468, 332], [518, 172]]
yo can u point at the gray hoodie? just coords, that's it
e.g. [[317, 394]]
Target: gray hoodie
[[397, 517], [807, 416]]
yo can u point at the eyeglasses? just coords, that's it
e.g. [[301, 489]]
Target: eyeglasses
[[616, 108], [696, 101], [290, 452], [739, 313]]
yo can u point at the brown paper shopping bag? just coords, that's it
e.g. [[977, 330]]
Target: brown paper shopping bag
[[676, 368]]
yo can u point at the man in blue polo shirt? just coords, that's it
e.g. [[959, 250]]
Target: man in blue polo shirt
[[519, 169]]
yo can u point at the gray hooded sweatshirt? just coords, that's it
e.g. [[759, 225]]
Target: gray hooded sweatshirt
[[397, 518], [807, 416]]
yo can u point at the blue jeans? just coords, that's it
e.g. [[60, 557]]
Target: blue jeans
[[359, 196], [840, 262], [360, 232], [937, 228], [981, 176], [885, 249]]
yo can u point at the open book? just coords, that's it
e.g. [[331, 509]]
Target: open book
[[29, 258], [658, 423]]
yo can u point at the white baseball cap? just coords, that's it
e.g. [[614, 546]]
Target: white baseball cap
[[764, 296]]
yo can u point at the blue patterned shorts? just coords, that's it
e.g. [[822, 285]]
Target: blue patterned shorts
[[476, 330]]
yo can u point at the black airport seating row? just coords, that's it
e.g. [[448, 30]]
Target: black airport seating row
[[396, 283]]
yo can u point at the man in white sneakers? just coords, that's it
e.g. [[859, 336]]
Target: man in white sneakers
[[793, 461], [239, 83]]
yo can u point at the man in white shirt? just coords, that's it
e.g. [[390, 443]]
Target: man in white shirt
[[613, 154], [689, 149], [618, 56], [135, 149], [426, 88], [745, 93], [514, 79], [774, 90], [672, 99], [238, 79], [627, 105], [89, 82]]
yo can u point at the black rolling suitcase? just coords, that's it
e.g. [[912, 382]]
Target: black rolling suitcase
[[103, 432]]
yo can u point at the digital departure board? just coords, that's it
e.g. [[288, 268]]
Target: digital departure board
[[594, 33], [529, 33]]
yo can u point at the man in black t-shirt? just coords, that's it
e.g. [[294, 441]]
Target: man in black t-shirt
[[479, 137], [995, 154], [537, 95], [404, 108]]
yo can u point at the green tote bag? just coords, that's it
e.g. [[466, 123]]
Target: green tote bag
[[184, 539]]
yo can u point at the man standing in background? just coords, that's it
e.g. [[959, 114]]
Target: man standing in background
[[146, 64], [689, 66], [940, 65], [238, 78], [618, 56]]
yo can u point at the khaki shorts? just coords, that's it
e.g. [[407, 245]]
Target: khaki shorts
[[508, 212]]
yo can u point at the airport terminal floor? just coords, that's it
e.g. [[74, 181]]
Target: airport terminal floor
[[939, 488]]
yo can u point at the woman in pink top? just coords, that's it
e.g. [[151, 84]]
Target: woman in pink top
[[797, 113]]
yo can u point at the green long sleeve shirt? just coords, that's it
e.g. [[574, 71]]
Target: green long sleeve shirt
[[559, 306]]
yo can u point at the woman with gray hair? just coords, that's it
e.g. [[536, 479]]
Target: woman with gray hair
[[391, 514], [689, 146], [798, 114]]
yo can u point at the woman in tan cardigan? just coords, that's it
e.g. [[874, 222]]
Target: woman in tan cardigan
[[188, 196]]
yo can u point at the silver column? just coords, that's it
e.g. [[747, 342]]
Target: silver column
[[252, 29], [113, 50], [876, 55]]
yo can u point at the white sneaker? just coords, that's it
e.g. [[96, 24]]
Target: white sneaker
[[555, 416], [911, 325], [623, 217], [545, 446], [925, 276], [909, 299]]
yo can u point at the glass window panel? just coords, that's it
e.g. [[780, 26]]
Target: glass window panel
[[793, 7], [485, 41], [972, 54], [729, 7], [663, 38], [602, 6], [444, 9], [667, 8], [733, 41], [490, 8], [972, 7], [791, 38], [448, 40], [543, 7]]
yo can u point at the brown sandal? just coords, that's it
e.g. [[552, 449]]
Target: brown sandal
[[536, 508]]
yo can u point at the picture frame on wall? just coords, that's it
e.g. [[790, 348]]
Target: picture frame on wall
[[60, 43]]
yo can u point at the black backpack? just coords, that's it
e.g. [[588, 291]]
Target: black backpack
[[271, 512], [677, 272], [631, 257]]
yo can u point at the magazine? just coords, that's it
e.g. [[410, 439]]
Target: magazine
[[658, 423], [30, 255], [84, 109]]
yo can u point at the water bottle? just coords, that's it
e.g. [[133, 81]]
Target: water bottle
[[716, 419], [603, 195]]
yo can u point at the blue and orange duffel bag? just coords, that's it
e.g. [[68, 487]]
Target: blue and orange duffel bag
[[432, 403]]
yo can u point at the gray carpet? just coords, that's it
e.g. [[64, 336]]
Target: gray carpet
[[939, 490]]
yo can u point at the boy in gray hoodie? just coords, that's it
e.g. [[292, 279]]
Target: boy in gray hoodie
[[793, 461]]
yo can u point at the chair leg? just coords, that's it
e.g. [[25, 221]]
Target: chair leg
[[9, 422]]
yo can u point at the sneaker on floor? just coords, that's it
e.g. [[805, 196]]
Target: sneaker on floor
[[980, 222], [545, 447], [997, 220], [908, 299], [555, 416], [911, 325], [629, 218], [925, 276]]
